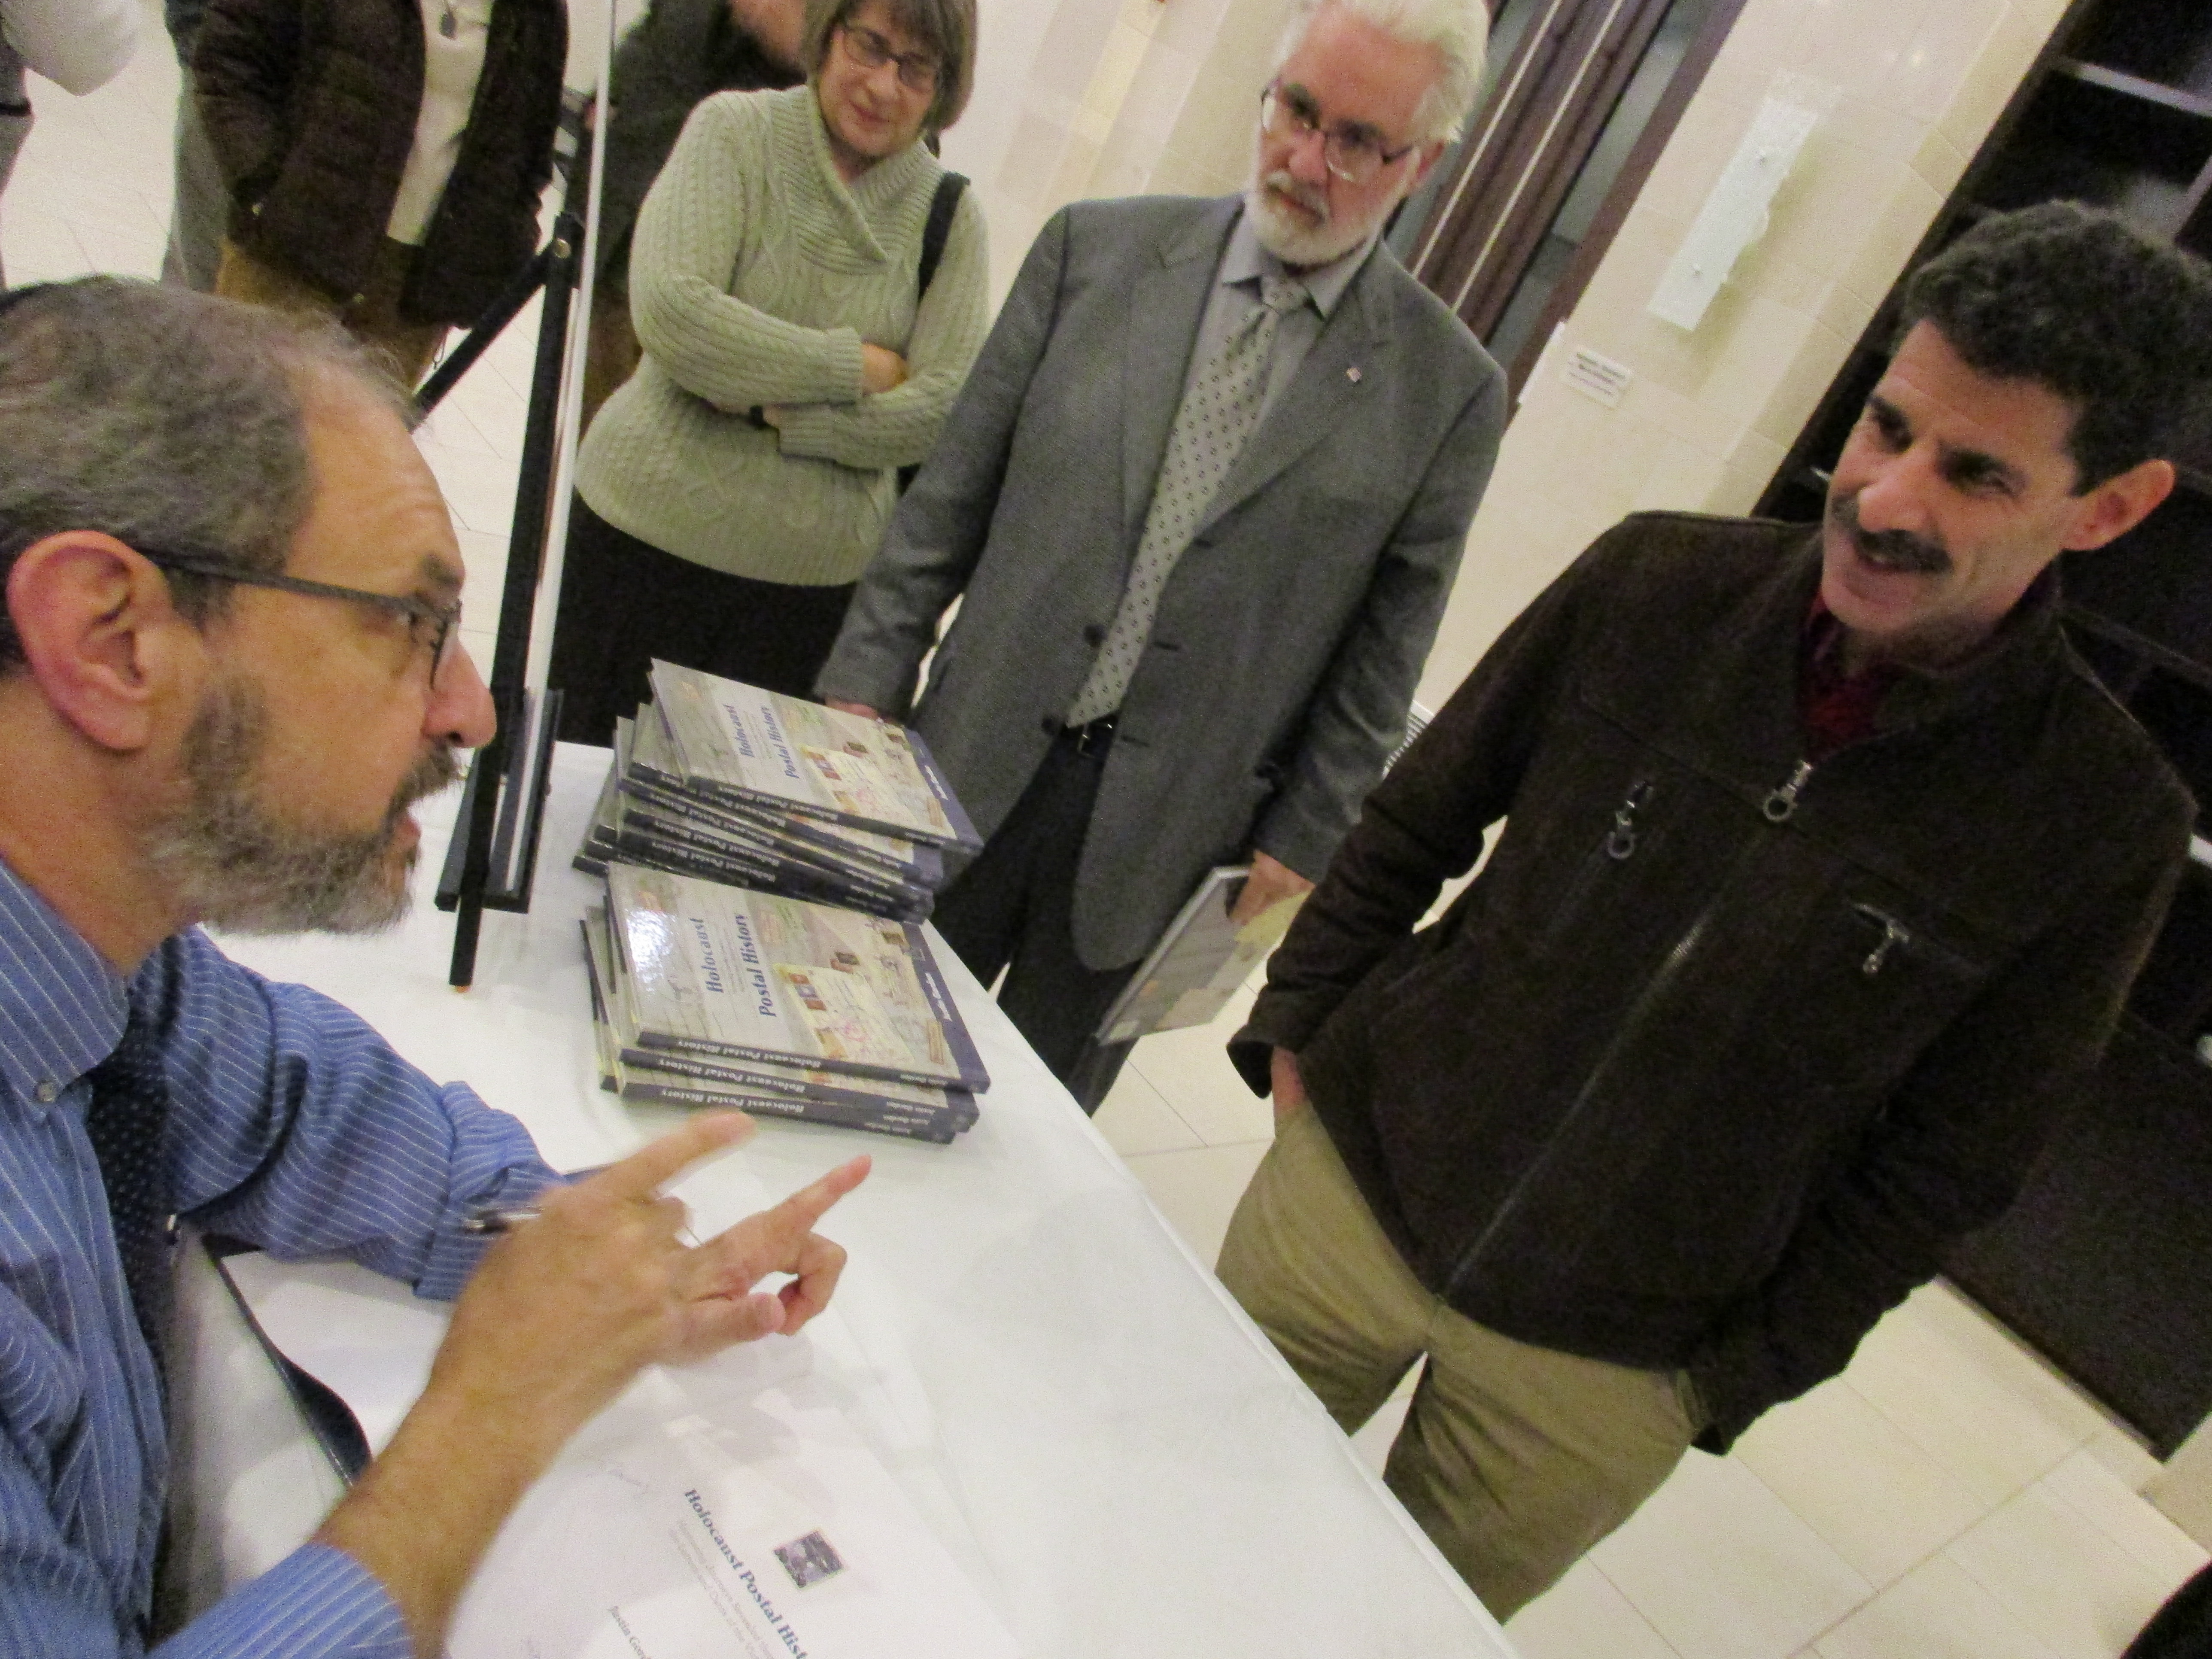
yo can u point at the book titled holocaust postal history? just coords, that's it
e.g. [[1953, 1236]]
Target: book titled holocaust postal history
[[748, 744], [612, 989], [675, 1077], [598, 835], [653, 772], [668, 840], [649, 1086], [688, 837], [716, 969]]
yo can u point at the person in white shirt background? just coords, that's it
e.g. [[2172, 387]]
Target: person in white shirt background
[[78, 45], [383, 163]]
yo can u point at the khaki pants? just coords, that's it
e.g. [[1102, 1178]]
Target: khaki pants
[[371, 317], [1515, 1459]]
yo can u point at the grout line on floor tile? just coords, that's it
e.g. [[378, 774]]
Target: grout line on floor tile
[[2125, 1547], [1918, 1562], [1658, 1635], [1937, 1453]]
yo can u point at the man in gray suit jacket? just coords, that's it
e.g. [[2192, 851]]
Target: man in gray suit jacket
[[1202, 499]]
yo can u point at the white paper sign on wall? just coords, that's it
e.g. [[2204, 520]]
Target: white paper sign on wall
[[1597, 377], [1735, 211]]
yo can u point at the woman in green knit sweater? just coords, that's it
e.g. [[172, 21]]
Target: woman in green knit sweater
[[731, 492]]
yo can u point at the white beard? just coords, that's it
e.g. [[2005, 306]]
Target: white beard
[[1289, 235]]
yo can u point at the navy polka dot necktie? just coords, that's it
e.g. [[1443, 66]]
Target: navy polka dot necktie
[[124, 1122]]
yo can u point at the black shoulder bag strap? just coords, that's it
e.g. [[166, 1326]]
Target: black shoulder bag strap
[[942, 207]]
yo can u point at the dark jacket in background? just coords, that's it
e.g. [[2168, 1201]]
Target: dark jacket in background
[[1704, 1071], [182, 19], [680, 52], [311, 107]]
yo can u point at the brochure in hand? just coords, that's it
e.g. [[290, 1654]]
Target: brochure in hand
[[762, 1087], [718, 970], [757, 748], [1199, 962]]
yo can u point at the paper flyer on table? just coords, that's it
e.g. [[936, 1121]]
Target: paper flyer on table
[[766, 1532], [614, 1528]]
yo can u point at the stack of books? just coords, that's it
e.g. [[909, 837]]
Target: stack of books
[[730, 783], [707, 994]]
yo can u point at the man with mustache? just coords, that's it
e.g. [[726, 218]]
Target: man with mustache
[[228, 666], [1201, 503], [1826, 867]]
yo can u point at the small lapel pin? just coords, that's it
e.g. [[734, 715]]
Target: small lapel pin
[[1352, 375]]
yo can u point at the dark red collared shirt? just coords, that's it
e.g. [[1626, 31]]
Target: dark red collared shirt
[[1836, 708]]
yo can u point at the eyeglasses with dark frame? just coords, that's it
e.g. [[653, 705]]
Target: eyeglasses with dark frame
[[917, 70], [1352, 154], [427, 624]]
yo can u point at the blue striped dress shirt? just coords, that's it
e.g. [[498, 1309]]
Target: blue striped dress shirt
[[292, 1125]]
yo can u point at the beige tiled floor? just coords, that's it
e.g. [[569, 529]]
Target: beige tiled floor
[[1947, 1498]]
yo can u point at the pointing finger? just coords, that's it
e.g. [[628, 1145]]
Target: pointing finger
[[812, 1202], [781, 1240], [653, 1165]]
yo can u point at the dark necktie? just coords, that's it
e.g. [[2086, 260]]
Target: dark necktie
[[130, 1103], [1217, 415]]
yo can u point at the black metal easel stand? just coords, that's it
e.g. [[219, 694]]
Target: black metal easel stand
[[516, 757]]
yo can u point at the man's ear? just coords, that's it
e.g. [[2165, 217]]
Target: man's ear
[[1430, 154], [99, 633], [2120, 503]]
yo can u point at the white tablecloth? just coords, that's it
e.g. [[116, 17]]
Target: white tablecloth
[[1113, 1452]]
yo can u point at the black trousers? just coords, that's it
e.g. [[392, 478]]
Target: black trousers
[[1013, 909], [624, 601]]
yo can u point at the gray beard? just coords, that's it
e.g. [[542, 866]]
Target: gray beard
[[1295, 244], [232, 863]]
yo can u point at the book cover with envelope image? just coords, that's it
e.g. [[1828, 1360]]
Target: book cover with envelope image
[[717, 969], [765, 749]]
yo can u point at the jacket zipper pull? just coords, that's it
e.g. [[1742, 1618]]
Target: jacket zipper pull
[[1894, 933], [1783, 801], [1622, 841]]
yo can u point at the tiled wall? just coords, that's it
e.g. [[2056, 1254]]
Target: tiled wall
[[1187, 126], [1074, 62], [1712, 411]]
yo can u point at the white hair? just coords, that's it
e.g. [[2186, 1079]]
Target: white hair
[[1458, 29]]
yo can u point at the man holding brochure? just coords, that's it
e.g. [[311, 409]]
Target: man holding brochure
[[228, 668], [1201, 501]]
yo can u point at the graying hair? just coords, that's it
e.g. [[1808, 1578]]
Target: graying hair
[[172, 421], [1458, 29], [946, 28]]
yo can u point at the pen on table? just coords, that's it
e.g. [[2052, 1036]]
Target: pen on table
[[493, 1220], [492, 1224]]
